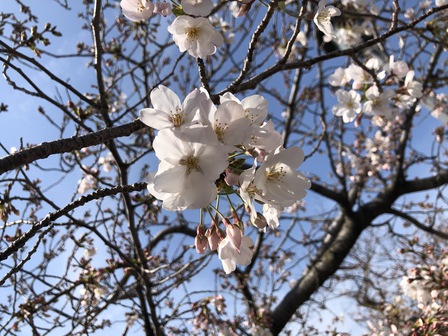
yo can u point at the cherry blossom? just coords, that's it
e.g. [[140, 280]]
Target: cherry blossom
[[195, 35], [265, 139], [229, 123], [191, 161], [168, 112], [162, 8], [276, 181], [359, 76], [272, 213], [414, 88], [378, 102], [323, 16], [255, 107], [230, 257], [349, 105], [399, 68], [137, 10], [197, 7], [339, 77]]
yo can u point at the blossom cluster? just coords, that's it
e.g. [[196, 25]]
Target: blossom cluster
[[191, 30], [371, 93], [377, 101], [202, 150], [426, 286]]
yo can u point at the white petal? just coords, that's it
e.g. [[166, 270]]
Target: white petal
[[155, 118], [163, 98]]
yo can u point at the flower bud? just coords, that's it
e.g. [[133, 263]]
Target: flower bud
[[231, 178], [212, 237], [201, 244], [234, 234], [162, 8], [259, 221], [200, 241]]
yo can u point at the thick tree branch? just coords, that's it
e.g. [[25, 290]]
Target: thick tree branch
[[328, 260], [316, 274], [424, 184], [415, 222], [66, 145]]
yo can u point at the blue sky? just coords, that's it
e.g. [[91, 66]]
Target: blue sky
[[23, 120]]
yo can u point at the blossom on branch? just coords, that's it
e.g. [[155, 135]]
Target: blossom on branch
[[230, 256], [191, 161], [277, 179], [168, 112], [137, 10], [195, 35], [197, 7], [378, 102], [323, 16], [349, 105]]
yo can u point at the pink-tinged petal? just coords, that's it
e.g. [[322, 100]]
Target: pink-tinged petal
[[212, 160], [228, 96], [292, 157], [234, 234], [137, 10], [256, 108], [192, 104], [245, 256], [197, 7], [199, 192]]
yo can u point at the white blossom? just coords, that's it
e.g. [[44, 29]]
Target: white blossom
[[349, 105], [378, 103], [137, 10], [339, 77], [197, 7], [323, 16], [399, 68], [230, 124], [195, 35], [191, 161], [168, 112], [413, 87], [276, 181], [163, 8], [230, 257]]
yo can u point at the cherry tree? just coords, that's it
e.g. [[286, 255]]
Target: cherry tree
[[223, 167]]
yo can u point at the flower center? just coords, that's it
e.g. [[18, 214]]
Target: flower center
[[192, 163], [178, 117], [220, 129], [193, 33], [141, 7], [275, 174], [324, 15]]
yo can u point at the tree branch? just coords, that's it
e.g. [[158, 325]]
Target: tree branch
[[66, 145]]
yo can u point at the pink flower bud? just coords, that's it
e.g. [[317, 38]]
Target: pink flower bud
[[231, 178], [162, 8], [212, 237], [201, 244], [260, 221], [234, 234], [200, 241]]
